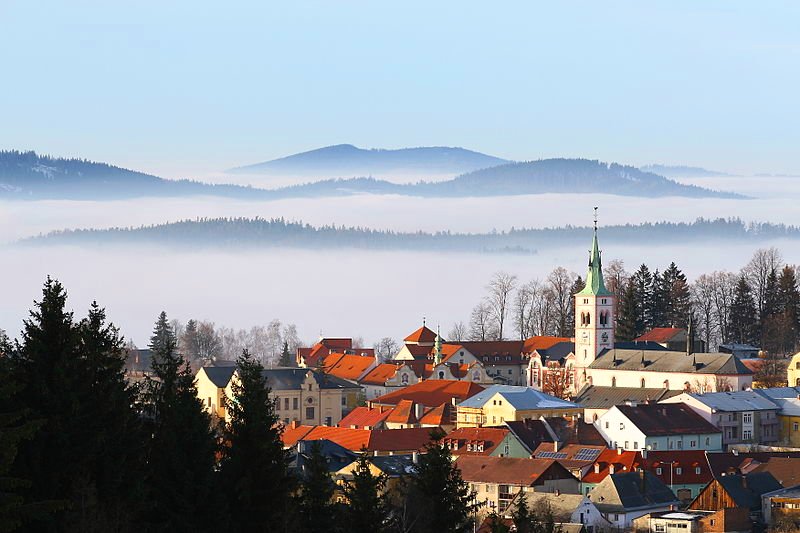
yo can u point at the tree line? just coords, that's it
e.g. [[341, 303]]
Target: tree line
[[758, 305], [83, 449]]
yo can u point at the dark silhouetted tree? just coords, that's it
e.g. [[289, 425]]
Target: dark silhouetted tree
[[366, 503]]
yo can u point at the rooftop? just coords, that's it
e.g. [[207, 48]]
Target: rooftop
[[507, 470], [595, 397], [631, 491], [431, 393], [667, 419], [735, 401], [521, 398], [661, 335], [670, 361]]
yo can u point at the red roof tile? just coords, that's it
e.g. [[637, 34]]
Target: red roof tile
[[347, 366], [688, 461], [431, 393], [542, 343], [365, 417], [403, 413], [660, 335], [626, 461], [438, 416], [423, 334], [488, 439], [385, 440], [508, 470], [379, 374]]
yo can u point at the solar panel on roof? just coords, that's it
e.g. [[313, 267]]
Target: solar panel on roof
[[587, 454], [551, 455]]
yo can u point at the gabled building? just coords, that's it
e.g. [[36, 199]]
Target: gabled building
[[621, 498], [744, 417], [596, 400], [674, 339], [501, 403], [378, 442], [495, 442], [735, 490], [654, 427], [310, 357], [497, 480], [685, 472], [431, 393], [608, 463]]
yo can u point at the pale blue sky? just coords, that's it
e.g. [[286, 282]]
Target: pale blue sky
[[187, 88]]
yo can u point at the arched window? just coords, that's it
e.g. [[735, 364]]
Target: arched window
[[613, 382], [476, 376], [441, 375], [588, 319], [594, 417], [404, 379], [642, 382]]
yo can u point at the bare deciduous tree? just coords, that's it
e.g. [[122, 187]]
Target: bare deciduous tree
[[559, 282], [386, 348], [458, 332], [764, 262], [480, 322], [500, 288]]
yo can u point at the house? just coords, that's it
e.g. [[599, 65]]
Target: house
[[567, 509], [621, 498], [404, 415], [497, 480], [394, 467], [499, 403], [685, 472], [505, 361], [366, 418], [300, 394], [789, 418], [138, 363], [431, 393], [664, 426], [736, 490], [347, 366], [385, 378], [597, 400], [495, 441], [310, 357], [793, 371], [552, 369], [744, 417], [335, 455], [672, 339], [785, 469], [607, 463], [781, 508], [725, 520], [378, 442], [722, 464], [742, 351]]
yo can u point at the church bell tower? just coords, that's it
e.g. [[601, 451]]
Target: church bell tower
[[594, 314]]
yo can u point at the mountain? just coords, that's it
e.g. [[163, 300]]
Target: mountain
[[346, 160], [532, 177], [28, 175], [253, 233], [678, 171]]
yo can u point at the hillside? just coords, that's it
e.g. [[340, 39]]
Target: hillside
[[680, 171], [278, 233], [28, 175], [346, 160]]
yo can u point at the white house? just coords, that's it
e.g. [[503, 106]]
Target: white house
[[658, 427]]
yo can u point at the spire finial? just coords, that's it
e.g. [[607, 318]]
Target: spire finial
[[423, 322], [595, 219]]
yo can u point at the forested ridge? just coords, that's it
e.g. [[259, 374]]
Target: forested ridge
[[279, 232]]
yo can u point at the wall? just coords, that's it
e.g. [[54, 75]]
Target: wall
[[655, 380]]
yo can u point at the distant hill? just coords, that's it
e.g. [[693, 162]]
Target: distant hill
[[278, 233], [346, 160], [532, 177], [28, 175], [678, 171]]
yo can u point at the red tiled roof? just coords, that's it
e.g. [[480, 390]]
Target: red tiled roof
[[542, 343], [688, 461], [626, 461], [398, 440], [347, 366], [291, 435], [754, 365], [507, 470], [660, 335], [438, 416], [379, 374], [326, 346], [381, 440], [489, 438], [403, 413], [423, 334], [365, 417], [431, 393], [419, 352]]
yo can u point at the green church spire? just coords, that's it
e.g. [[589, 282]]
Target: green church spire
[[437, 357], [594, 277]]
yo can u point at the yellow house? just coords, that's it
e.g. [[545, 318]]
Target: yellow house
[[502, 403], [793, 371], [789, 417], [393, 466], [301, 395]]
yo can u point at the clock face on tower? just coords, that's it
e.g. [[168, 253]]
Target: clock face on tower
[[585, 337], [604, 337]]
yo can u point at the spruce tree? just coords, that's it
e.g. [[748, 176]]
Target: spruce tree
[[643, 282], [435, 497], [181, 452], [789, 305], [189, 342], [316, 510], [659, 300], [253, 471], [286, 358], [743, 327], [678, 297], [366, 506], [627, 316]]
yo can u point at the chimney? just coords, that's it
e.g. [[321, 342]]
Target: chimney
[[644, 453], [619, 451], [415, 457], [744, 481], [293, 424], [597, 468], [642, 483], [419, 409], [611, 468]]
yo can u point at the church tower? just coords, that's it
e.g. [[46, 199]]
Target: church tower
[[594, 314]]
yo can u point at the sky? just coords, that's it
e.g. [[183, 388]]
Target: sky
[[190, 88]]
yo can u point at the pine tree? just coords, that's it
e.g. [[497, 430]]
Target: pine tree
[[789, 305], [743, 327], [496, 524], [523, 520], [286, 358], [435, 498], [316, 510], [253, 470], [627, 317], [676, 287], [189, 342], [181, 454], [366, 508], [659, 300], [643, 283]]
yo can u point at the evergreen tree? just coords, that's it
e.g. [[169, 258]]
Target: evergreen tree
[[189, 341], [496, 523], [789, 305], [286, 358], [678, 298], [643, 283], [540, 521], [523, 520], [435, 498], [316, 510], [659, 301], [181, 454], [627, 316], [366, 508], [253, 470], [743, 321]]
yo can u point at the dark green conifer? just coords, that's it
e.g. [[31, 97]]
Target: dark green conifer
[[743, 327], [366, 506], [627, 314], [316, 510], [286, 357]]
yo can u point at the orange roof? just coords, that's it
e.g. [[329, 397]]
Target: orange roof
[[292, 434], [660, 334], [431, 393], [403, 413], [365, 417], [624, 461], [421, 352], [382, 440], [542, 343], [753, 364], [508, 470], [327, 346], [423, 334], [348, 366], [489, 438], [438, 416], [379, 374]]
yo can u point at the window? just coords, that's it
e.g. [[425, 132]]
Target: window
[[658, 471], [309, 386], [344, 401], [621, 426], [295, 403], [747, 418], [277, 404], [309, 413], [509, 371], [635, 445], [607, 425], [747, 434], [680, 444], [626, 444], [660, 528], [494, 420], [499, 402], [697, 470], [209, 401], [655, 445], [679, 471], [404, 379], [613, 381], [642, 383], [441, 375], [692, 443], [286, 404], [506, 449], [671, 444], [328, 421], [794, 426], [708, 441]]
